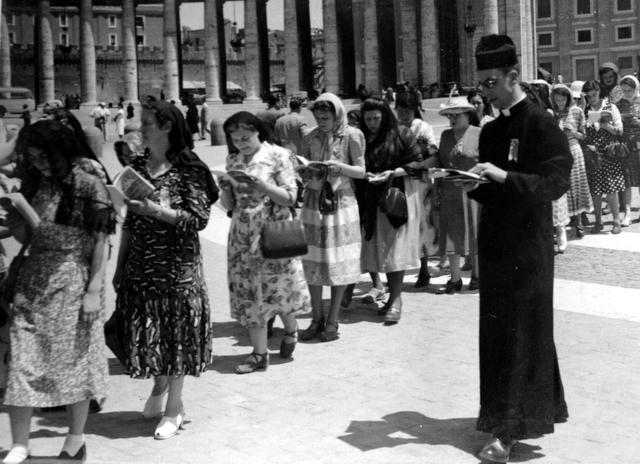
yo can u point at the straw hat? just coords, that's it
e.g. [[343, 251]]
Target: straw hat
[[576, 89], [456, 105]]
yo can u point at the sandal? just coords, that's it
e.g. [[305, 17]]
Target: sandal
[[255, 362], [286, 349], [315, 328], [330, 335]]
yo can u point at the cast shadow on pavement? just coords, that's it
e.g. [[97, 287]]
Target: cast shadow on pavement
[[410, 427], [112, 424]]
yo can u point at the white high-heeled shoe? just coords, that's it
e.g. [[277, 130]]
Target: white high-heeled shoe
[[154, 406], [17, 455], [169, 426]]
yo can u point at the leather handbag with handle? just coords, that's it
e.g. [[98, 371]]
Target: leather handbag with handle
[[283, 238], [393, 201]]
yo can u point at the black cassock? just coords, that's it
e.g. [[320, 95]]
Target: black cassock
[[521, 394]]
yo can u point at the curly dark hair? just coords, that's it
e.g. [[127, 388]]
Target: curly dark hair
[[389, 121]]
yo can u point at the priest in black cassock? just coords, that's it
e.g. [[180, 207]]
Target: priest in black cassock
[[526, 157]]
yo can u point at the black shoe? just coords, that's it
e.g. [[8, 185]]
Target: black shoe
[[286, 349], [330, 335], [81, 455], [579, 232], [393, 315], [423, 279], [474, 284], [95, 406], [450, 287], [347, 296], [270, 327], [315, 328]]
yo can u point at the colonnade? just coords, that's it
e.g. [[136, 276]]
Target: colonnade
[[373, 42]]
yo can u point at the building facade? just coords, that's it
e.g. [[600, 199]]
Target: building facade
[[574, 37]]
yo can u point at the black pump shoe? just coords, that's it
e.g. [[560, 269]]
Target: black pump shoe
[[81, 455], [286, 349], [450, 287]]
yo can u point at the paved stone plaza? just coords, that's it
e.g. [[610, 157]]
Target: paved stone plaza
[[395, 395]]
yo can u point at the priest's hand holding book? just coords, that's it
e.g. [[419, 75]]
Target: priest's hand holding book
[[486, 171]]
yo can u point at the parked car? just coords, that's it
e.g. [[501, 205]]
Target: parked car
[[14, 98]]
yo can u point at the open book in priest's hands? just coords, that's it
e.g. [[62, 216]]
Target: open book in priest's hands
[[128, 185], [455, 174], [18, 202]]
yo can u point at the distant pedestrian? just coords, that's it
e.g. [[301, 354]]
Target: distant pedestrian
[[526, 158], [204, 120], [130, 111], [100, 115], [269, 115], [291, 130], [119, 120], [26, 115], [192, 117]]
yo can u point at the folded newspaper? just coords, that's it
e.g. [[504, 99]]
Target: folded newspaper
[[20, 203], [455, 174], [128, 185]]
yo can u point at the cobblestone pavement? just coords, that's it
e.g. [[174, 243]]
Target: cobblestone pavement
[[403, 394]]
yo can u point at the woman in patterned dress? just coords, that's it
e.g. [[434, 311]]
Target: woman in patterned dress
[[572, 121], [608, 177], [161, 292], [629, 107], [334, 238], [57, 341], [260, 288]]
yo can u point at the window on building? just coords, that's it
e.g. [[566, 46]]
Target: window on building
[[11, 19], [544, 9], [63, 20], [113, 40], [111, 20], [583, 7], [12, 38], [140, 22], [140, 40], [624, 32], [624, 5], [545, 39], [625, 62], [585, 69], [64, 39], [584, 36]]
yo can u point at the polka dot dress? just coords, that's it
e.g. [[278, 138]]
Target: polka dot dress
[[609, 176]]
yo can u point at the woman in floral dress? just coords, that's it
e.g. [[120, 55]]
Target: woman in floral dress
[[260, 288], [629, 107], [572, 121], [333, 232], [608, 177], [161, 292], [57, 341]]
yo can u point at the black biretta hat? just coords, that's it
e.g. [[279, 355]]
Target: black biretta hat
[[495, 51]]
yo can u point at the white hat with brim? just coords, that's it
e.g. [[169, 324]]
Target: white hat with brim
[[576, 89], [456, 105]]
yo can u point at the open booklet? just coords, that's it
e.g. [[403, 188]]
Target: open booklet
[[20, 203], [599, 116], [305, 164], [235, 176], [128, 185], [455, 174]]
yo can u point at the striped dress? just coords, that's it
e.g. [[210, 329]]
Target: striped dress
[[334, 239]]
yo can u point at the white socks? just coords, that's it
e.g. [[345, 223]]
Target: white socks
[[18, 454], [73, 443]]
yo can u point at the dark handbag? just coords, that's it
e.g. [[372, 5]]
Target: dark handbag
[[283, 238], [617, 150], [8, 286], [393, 201], [114, 336]]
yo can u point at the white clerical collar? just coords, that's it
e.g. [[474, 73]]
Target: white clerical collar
[[507, 111]]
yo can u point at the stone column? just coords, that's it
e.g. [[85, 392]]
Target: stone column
[[491, 17], [430, 42], [129, 56], [526, 46], [292, 57], [170, 56], [332, 55], [253, 69], [371, 50], [5, 53], [89, 94], [211, 53], [358, 40], [45, 52]]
